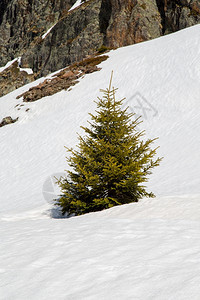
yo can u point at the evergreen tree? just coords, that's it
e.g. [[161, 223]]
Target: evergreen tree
[[111, 164]]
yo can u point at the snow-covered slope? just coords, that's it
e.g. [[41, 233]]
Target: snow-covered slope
[[146, 250]]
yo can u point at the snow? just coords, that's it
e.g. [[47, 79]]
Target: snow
[[27, 70], [76, 4], [146, 250], [46, 33]]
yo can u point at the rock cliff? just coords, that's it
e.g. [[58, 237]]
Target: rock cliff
[[178, 14], [22, 21]]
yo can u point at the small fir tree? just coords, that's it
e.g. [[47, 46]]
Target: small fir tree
[[111, 164]]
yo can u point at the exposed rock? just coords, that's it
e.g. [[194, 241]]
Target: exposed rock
[[12, 78], [178, 15], [132, 22], [75, 36], [113, 23], [23, 21], [7, 120], [63, 80]]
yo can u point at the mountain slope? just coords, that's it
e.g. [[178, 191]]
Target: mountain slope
[[146, 250], [164, 73], [48, 35]]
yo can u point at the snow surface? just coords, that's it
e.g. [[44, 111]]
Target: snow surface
[[146, 250], [76, 4]]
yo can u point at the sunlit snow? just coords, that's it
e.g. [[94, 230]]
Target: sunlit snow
[[76, 4], [46, 33], [148, 250]]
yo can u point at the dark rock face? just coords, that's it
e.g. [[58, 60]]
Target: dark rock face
[[113, 23], [132, 22], [80, 32], [75, 36], [178, 14], [21, 22]]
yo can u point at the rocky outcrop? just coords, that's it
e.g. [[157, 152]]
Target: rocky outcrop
[[12, 78], [178, 14], [7, 120], [63, 80], [74, 36], [22, 21], [132, 22]]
